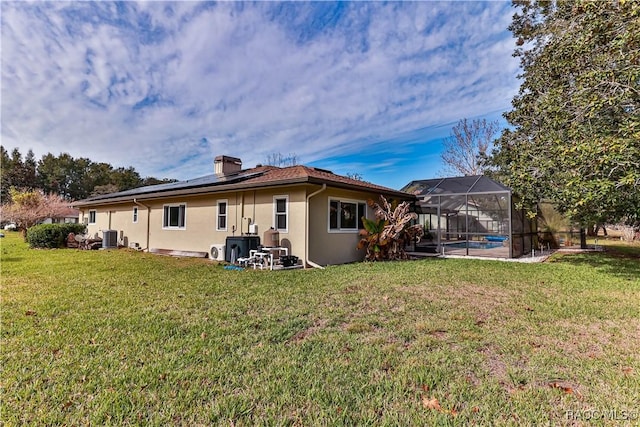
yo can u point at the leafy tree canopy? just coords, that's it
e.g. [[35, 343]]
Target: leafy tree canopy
[[575, 123], [71, 178]]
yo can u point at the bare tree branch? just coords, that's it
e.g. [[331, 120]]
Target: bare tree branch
[[280, 160], [468, 143]]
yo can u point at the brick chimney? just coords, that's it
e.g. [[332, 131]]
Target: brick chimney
[[225, 165]]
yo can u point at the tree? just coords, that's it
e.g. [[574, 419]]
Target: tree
[[72, 178], [355, 176], [76, 179], [575, 136], [28, 171], [280, 160], [99, 190], [99, 176], [5, 180], [155, 181], [126, 178], [16, 172], [53, 176], [466, 147], [28, 208]]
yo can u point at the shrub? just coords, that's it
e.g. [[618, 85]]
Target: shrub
[[52, 235]]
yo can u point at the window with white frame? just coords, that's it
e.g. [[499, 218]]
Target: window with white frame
[[92, 217], [346, 215], [174, 217], [281, 213], [221, 223], [135, 214]]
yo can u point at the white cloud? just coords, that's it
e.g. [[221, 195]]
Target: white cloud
[[143, 83]]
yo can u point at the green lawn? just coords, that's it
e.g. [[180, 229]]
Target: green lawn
[[128, 338]]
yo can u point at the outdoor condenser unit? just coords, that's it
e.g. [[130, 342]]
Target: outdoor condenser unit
[[240, 246], [109, 239], [216, 252]]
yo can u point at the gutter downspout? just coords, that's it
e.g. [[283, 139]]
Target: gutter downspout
[[306, 227], [135, 201]]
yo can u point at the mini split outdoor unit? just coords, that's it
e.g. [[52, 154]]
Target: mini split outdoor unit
[[216, 252]]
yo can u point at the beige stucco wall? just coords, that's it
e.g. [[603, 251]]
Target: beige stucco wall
[[119, 218], [325, 246], [201, 219], [328, 246]]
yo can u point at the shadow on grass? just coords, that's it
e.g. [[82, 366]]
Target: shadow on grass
[[619, 261]]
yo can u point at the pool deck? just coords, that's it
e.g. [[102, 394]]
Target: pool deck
[[493, 257], [502, 254]]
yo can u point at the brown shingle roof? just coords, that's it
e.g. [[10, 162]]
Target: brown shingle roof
[[258, 177], [303, 173]]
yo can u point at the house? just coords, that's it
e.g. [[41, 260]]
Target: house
[[316, 212], [68, 216]]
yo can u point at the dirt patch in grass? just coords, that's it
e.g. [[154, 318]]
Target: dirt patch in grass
[[307, 332], [440, 334], [594, 339], [467, 293], [487, 305], [484, 303], [502, 372], [513, 377], [494, 363]]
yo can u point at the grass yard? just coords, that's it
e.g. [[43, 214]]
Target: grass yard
[[129, 338]]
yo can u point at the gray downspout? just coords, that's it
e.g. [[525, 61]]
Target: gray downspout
[[306, 226], [135, 201]]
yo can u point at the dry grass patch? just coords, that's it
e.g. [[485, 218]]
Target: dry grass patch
[[597, 339]]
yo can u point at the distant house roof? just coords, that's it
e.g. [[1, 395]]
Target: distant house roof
[[460, 185], [258, 177], [69, 212]]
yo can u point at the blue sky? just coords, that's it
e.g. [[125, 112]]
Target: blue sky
[[360, 87]]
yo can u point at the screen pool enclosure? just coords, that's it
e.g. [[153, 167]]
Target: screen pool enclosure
[[471, 215]]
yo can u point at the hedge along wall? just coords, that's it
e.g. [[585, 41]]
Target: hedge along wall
[[51, 236]]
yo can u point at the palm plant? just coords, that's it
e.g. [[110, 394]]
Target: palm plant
[[370, 238], [386, 237]]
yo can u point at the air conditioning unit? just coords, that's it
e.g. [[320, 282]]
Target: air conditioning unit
[[216, 252], [109, 239]]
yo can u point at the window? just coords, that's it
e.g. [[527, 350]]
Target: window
[[174, 217], [92, 217], [221, 224], [135, 214], [281, 213], [346, 215]]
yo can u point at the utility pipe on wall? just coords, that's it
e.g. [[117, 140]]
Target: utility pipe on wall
[[135, 201], [241, 210], [306, 226]]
